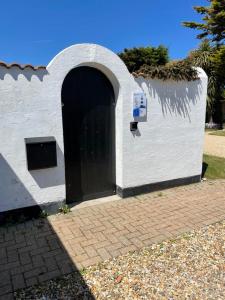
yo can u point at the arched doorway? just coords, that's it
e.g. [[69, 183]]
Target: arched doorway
[[88, 111]]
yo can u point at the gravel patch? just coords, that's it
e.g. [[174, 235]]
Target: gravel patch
[[214, 145], [191, 266]]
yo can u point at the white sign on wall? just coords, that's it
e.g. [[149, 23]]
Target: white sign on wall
[[139, 105]]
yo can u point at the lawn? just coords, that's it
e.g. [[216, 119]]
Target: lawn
[[213, 167], [218, 132]]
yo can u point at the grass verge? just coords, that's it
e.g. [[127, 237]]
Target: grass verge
[[213, 167], [218, 133]]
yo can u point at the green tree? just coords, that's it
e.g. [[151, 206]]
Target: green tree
[[212, 60], [135, 58], [213, 17], [202, 57], [218, 60]]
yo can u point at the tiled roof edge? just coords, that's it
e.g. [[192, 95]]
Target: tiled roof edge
[[21, 67]]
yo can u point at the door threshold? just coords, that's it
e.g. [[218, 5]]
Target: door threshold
[[92, 202]]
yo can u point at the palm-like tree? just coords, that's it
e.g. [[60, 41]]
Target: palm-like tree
[[202, 57]]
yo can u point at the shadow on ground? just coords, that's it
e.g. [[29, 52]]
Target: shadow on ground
[[204, 169], [31, 252]]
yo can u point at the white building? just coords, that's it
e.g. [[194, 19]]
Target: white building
[[82, 104]]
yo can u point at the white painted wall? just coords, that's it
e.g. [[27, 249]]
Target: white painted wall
[[27, 111], [168, 146]]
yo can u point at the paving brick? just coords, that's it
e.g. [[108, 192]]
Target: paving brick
[[51, 264], [39, 250], [53, 244], [80, 258], [8, 296], [2, 252], [102, 244], [127, 249], [31, 281], [12, 256], [3, 261], [158, 238], [112, 238], [115, 246], [100, 237], [91, 252], [49, 275], [9, 266], [5, 289], [21, 269], [76, 247], [44, 249], [125, 241], [52, 253], [24, 258], [136, 242], [115, 252], [4, 278], [18, 282], [91, 261], [27, 248], [88, 242], [41, 242], [104, 254], [66, 267], [8, 243], [34, 272], [61, 257]]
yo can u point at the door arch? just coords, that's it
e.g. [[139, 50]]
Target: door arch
[[88, 113]]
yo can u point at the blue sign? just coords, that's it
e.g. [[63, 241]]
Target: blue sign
[[139, 105]]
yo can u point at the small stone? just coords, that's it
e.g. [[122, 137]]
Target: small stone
[[118, 279]]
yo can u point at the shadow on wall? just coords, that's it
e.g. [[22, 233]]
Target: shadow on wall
[[12, 188], [51, 178], [15, 72], [175, 98], [40, 254]]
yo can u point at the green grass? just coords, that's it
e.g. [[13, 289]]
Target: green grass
[[215, 167], [218, 132]]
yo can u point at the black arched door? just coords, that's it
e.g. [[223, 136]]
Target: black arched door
[[88, 110]]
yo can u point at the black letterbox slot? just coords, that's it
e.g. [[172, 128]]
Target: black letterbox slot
[[133, 126], [41, 153]]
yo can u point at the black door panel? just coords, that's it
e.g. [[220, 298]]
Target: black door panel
[[89, 134]]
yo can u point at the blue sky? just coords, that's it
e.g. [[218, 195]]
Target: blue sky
[[35, 31]]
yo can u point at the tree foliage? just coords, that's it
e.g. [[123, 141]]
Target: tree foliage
[[152, 62], [218, 61], [174, 70], [212, 59], [213, 17], [202, 57], [135, 58]]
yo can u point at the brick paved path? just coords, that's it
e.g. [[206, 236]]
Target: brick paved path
[[43, 249]]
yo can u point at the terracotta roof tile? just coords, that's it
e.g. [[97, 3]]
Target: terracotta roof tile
[[21, 67]]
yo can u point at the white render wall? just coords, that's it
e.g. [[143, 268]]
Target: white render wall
[[168, 145]]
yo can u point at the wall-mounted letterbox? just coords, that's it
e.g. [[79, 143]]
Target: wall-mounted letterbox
[[41, 153], [133, 126]]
